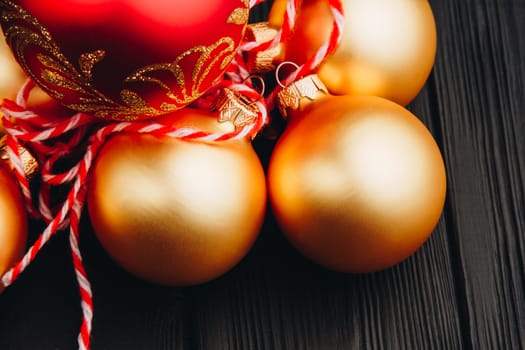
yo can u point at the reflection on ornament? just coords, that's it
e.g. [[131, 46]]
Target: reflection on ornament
[[276, 15], [387, 50], [357, 183], [11, 75], [124, 59], [177, 212], [13, 218]]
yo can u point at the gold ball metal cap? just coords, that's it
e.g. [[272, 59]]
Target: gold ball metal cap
[[30, 163]]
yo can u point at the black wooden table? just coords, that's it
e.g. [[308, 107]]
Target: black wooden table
[[465, 289]]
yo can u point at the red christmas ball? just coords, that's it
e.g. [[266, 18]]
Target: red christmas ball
[[124, 59]]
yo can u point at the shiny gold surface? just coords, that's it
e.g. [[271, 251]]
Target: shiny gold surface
[[276, 15], [388, 46], [177, 212], [11, 75], [357, 183], [13, 221]]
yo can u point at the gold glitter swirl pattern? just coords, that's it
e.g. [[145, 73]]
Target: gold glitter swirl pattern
[[88, 61], [59, 77], [239, 16], [220, 53]]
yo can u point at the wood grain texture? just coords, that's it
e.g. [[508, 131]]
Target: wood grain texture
[[479, 86], [465, 289]]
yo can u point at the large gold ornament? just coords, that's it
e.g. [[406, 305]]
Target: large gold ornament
[[13, 218], [387, 50], [177, 212], [357, 183]]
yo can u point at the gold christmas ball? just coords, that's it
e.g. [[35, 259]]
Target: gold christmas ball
[[13, 219], [387, 50], [357, 183], [11, 75], [276, 15], [177, 212]]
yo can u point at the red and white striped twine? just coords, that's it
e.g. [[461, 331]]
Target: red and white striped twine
[[69, 212], [42, 136], [336, 7]]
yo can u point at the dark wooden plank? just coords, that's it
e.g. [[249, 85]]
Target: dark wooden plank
[[42, 308], [479, 85], [277, 300], [129, 313], [42, 311]]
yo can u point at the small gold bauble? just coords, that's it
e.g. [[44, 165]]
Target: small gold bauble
[[356, 183], [177, 212], [13, 219], [387, 49], [11, 75]]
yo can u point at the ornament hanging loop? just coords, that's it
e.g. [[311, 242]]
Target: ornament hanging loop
[[28, 162], [278, 72]]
